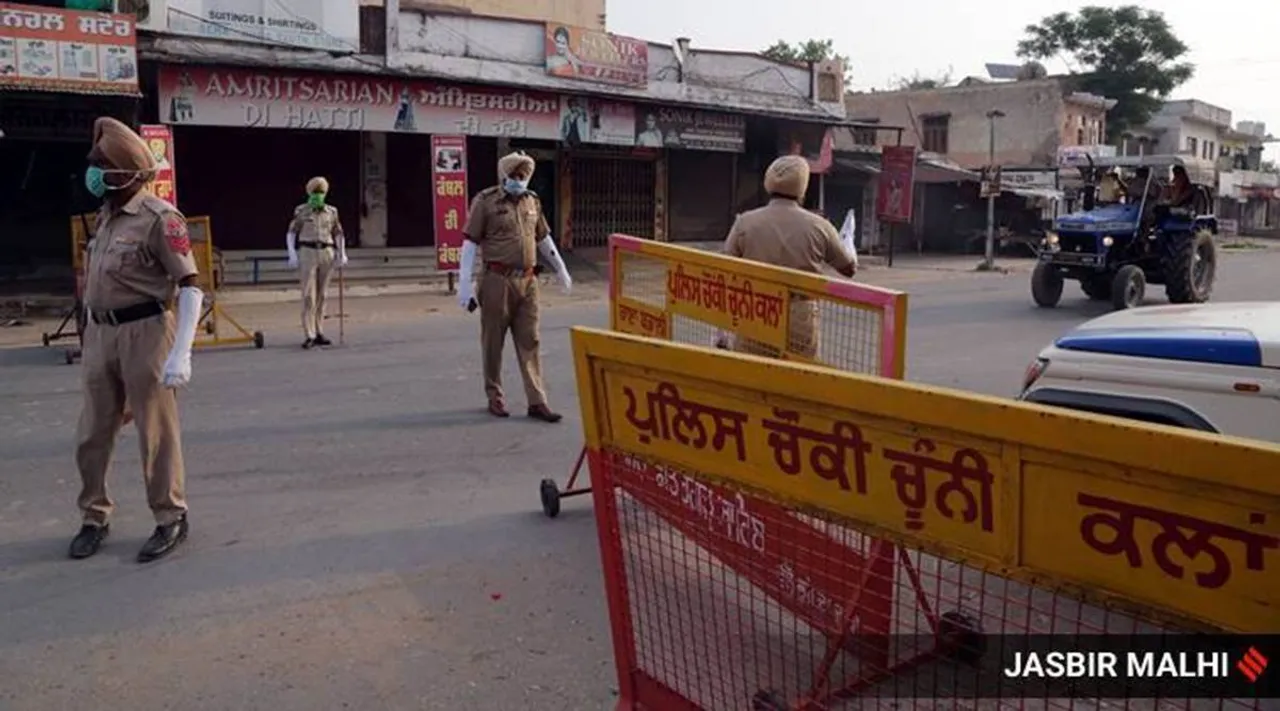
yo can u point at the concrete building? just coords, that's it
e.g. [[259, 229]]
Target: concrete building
[[1223, 154], [576, 13], [629, 136], [1038, 119]]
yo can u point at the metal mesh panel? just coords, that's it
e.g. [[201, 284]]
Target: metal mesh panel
[[716, 625], [848, 336], [611, 195]]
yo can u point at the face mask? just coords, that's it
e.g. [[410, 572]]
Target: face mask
[[95, 180], [316, 200], [515, 187]]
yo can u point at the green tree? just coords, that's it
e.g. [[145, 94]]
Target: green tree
[[919, 81], [1125, 53], [807, 51]]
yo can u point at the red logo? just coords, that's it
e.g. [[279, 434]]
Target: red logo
[[1252, 664]]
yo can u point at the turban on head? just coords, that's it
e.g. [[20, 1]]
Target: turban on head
[[117, 144], [317, 185], [508, 164], [788, 176]]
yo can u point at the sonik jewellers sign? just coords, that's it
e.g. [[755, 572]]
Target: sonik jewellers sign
[[319, 24]]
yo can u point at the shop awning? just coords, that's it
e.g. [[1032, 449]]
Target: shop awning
[[1035, 193], [76, 88], [935, 171]]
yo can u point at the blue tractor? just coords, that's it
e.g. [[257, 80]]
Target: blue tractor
[[1128, 236]]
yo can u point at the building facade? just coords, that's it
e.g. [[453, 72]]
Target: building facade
[[1221, 153], [1024, 127], [629, 136]]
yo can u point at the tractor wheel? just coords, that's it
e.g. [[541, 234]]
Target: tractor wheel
[[1128, 287], [1097, 287], [1046, 286], [1190, 264]]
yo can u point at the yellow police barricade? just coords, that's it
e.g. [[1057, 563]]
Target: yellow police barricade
[[201, 230], [703, 298], [209, 280], [745, 505]]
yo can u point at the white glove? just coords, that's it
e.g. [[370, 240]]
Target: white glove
[[548, 248], [466, 269], [291, 244], [722, 339], [342, 259], [177, 367], [293, 259]]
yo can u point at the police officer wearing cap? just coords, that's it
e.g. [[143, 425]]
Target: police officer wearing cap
[[315, 230], [784, 234], [135, 350], [506, 223]]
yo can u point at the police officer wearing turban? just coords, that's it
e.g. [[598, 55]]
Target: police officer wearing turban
[[506, 222], [135, 349], [784, 234], [316, 230]]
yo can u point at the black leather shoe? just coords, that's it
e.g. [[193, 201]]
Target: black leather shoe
[[306, 345], [163, 541], [88, 541], [544, 413], [322, 341]]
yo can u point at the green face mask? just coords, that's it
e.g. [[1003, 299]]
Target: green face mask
[[316, 200]]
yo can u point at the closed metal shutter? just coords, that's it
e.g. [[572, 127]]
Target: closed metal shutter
[[611, 195], [700, 193]]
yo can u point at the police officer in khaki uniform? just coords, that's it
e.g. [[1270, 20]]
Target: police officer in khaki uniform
[[315, 229], [506, 222], [139, 258], [784, 234]]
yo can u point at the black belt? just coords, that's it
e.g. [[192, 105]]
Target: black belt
[[506, 269], [315, 245], [118, 317]]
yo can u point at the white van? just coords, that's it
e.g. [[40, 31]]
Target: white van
[[1210, 367]]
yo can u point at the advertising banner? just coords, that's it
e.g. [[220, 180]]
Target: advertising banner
[[449, 198], [589, 120], [687, 128], [315, 24], [592, 55], [894, 190], [51, 49], [160, 140], [214, 96]]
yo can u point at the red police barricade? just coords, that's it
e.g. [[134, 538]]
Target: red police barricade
[[697, 297], [776, 536]]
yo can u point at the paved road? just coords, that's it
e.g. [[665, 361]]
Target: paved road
[[363, 535]]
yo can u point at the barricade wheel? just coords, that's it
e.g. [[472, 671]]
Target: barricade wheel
[[259, 340], [44, 338], [550, 494], [767, 700], [70, 357], [209, 328], [960, 638]]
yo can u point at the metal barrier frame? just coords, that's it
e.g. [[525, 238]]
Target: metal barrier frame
[[1039, 458], [891, 304]]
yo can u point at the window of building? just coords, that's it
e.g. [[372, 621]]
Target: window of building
[[1223, 151], [864, 136], [1079, 136], [1192, 145], [828, 87], [935, 130]]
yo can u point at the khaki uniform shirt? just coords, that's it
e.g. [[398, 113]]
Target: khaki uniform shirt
[[316, 226], [138, 254], [507, 228], [784, 234]]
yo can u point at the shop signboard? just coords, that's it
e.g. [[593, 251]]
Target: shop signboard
[[687, 128], [1029, 179], [449, 198], [590, 120], [160, 140], [592, 55], [316, 24], [52, 49], [894, 189], [242, 97]]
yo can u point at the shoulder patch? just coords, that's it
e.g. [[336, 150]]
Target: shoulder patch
[[176, 234]]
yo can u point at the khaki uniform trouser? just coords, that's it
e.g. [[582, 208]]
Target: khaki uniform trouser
[[802, 337], [315, 267], [510, 302], [125, 363]]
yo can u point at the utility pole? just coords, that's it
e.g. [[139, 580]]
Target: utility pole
[[993, 189]]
